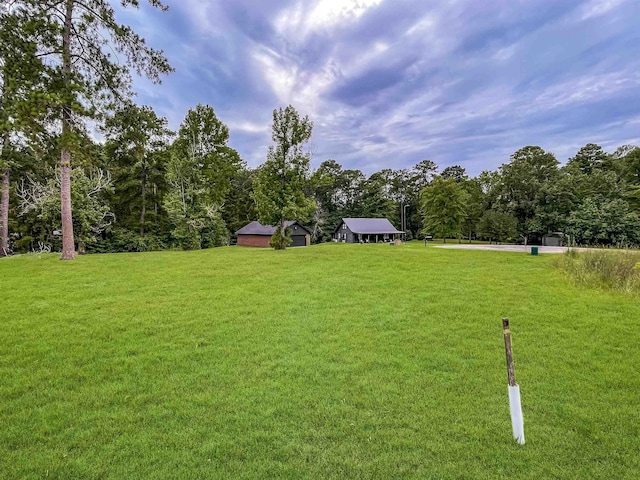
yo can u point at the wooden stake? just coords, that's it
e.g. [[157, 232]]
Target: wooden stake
[[509, 352]]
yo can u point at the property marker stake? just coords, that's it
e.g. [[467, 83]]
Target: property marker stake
[[515, 406]]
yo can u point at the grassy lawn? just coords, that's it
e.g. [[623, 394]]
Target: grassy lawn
[[335, 361]]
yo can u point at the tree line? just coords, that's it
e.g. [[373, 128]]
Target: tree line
[[66, 65]]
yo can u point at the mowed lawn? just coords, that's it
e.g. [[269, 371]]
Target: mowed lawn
[[334, 361]]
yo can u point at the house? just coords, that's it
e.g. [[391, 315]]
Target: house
[[257, 235], [365, 230]]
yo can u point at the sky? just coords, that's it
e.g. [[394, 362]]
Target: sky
[[389, 83]]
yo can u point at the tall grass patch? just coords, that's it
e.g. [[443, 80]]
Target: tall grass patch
[[604, 269]]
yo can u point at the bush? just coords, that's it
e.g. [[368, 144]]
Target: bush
[[279, 241], [607, 269], [23, 244], [123, 240]]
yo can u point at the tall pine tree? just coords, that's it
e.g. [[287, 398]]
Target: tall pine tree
[[93, 55]]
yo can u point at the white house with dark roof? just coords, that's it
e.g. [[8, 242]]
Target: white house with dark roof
[[365, 230]]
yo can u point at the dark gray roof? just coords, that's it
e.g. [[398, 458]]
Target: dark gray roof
[[370, 225], [256, 228]]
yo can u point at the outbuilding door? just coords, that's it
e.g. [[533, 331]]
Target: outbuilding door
[[298, 241]]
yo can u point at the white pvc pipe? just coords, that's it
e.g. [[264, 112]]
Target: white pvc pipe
[[516, 414]]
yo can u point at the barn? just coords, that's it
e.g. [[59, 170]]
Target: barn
[[365, 230], [257, 235]]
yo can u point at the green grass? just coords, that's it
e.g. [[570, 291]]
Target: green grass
[[334, 361]]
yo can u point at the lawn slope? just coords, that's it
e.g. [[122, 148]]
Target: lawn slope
[[334, 361]]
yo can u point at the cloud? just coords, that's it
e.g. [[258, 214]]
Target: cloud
[[391, 82]]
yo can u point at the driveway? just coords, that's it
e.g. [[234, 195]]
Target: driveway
[[505, 248]]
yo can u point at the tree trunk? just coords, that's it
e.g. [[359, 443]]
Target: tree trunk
[[4, 215], [155, 204], [283, 233], [144, 199], [68, 248], [4, 202]]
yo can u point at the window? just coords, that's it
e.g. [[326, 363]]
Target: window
[[344, 226]]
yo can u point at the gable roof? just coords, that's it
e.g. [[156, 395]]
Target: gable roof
[[256, 228], [369, 225]]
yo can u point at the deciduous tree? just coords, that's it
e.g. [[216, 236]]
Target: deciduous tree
[[199, 174], [280, 183], [498, 226], [522, 180], [442, 204]]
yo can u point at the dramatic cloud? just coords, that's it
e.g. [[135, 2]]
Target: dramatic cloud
[[391, 82]]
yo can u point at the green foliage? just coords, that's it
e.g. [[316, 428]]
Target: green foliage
[[443, 205], [476, 204], [456, 172], [280, 241], [199, 175], [376, 200], [91, 57], [239, 207], [604, 223], [137, 147], [522, 181], [590, 158], [24, 244], [103, 52], [631, 173], [24, 89], [122, 240], [612, 270], [554, 202], [202, 138], [279, 188], [89, 193], [495, 225]]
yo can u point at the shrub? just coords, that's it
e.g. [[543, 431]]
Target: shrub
[[23, 244], [279, 241], [607, 269], [123, 240]]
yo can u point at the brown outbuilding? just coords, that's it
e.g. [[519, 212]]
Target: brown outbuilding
[[257, 235]]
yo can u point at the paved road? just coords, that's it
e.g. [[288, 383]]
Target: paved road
[[506, 248]]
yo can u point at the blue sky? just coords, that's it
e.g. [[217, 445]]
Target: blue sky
[[389, 83]]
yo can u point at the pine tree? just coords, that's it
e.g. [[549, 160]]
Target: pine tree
[[23, 96], [93, 56], [135, 134]]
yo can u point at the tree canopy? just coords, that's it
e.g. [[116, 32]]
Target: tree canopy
[[279, 189]]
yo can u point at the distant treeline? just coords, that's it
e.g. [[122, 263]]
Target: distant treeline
[[146, 188]]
